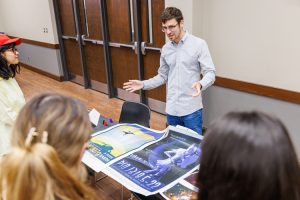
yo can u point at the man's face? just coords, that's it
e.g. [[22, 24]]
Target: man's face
[[173, 30]]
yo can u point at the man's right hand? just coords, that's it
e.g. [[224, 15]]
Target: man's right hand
[[133, 85]]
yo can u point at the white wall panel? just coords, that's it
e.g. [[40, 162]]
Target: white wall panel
[[27, 19]]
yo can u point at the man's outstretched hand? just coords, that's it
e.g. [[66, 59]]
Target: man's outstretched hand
[[133, 85]]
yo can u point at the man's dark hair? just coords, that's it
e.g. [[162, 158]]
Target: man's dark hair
[[7, 71], [249, 156], [171, 13]]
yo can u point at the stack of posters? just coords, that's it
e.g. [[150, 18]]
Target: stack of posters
[[185, 189], [144, 160]]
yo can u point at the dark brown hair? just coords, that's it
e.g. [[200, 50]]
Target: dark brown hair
[[171, 13], [248, 155], [7, 71]]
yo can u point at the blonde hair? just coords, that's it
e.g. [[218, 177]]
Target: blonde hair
[[48, 139], [36, 173], [66, 122]]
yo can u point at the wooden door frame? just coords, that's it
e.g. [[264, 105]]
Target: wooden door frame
[[140, 60], [107, 57], [66, 75], [79, 35]]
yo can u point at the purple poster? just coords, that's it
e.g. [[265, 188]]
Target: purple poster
[[161, 163]]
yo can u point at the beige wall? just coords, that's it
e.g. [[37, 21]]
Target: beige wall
[[256, 41], [185, 7], [197, 16], [191, 10], [1, 24], [28, 19]]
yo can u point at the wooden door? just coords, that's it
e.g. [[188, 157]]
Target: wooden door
[[153, 40], [122, 45], [123, 37], [92, 42], [82, 42], [69, 36]]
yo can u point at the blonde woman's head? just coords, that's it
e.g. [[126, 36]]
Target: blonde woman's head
[[63, 118], [36, 172]]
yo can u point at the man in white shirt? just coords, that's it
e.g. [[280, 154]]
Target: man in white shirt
[[182, 62]]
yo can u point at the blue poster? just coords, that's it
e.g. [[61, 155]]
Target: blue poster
[[161, 163], [109, 144]]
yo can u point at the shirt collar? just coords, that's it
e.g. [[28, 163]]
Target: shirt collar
[[186, 34]]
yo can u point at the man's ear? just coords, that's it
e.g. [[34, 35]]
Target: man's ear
[[181, 23]]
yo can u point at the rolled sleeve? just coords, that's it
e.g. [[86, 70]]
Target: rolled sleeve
[[207, 67]]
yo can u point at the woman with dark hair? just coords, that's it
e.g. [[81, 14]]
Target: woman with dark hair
[[11, 96], [249, 156]]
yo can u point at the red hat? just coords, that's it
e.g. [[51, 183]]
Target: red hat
[[6, 40]]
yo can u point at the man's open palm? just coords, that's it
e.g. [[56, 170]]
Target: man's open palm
[[133, 85]]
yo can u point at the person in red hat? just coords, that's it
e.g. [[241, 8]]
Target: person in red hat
[[11, 96]]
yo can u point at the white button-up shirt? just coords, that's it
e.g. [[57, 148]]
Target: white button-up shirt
[[180, 66]]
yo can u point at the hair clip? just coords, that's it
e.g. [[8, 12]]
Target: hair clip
[[45, 137], [33, 133], [30, 136]]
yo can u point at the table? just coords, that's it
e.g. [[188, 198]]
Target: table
[[101, 126]]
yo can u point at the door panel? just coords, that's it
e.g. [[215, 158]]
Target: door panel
[[152, 31], [67, 17], [90, 15], [71, 49], [93, 44], [95, 63], [119, 21], [151, 63], [144, 16], [124, 65], [123, 58], [90, 58], [72, 56], [158, 7]]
